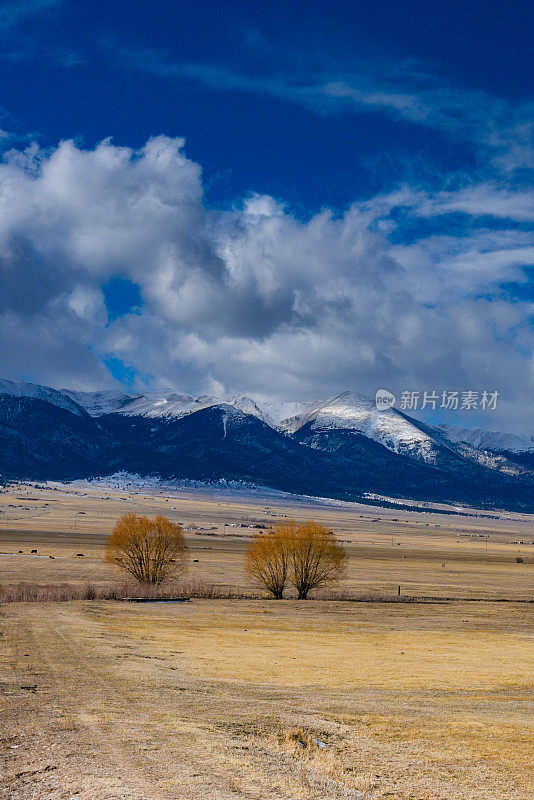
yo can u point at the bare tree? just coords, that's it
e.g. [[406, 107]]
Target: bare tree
[[151, 550], [316, 558], [267, 560], [306, 553]]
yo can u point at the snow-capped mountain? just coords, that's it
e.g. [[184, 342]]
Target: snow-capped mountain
[[489, 440], [34, 390], [341, 447], [288, 417], [168, 405], [349, 410], [98, 403], [353, 411]]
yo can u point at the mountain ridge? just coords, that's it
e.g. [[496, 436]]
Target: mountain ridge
[[339, 447]]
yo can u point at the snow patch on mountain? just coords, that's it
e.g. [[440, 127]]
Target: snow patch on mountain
[[34, 390], [245, 404], [354, 411], [488, 440], [134, 483], [98, 403], [287, 417], [169, 406]]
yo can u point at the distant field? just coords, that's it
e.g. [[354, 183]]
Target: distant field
[[281, 700], [426, 554], [267, 699]]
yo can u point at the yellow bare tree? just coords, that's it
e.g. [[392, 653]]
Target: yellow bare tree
[[151, 550], [316, 558], [307, 554], [267, 560]]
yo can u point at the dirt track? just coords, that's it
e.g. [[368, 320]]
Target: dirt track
[[107, 701], [84, 732]]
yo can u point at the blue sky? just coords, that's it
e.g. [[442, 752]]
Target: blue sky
[[287, 202]]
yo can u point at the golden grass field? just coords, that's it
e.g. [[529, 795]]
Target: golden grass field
[[251, 698]]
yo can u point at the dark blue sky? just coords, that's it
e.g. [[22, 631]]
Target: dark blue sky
[[86, 70], [352, 207]]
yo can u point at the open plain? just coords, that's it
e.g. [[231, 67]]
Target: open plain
[[253, 698]]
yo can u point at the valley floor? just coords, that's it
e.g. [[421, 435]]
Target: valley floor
[[258, 699], [469, 555], [262, 699]]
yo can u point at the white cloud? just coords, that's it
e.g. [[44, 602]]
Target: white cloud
[[501, 131], [484, 199], [253, 299]]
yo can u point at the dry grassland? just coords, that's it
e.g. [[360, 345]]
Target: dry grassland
[[256, 699], [427, 554], [259, 699]]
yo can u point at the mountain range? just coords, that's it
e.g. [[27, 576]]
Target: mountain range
[[342, 447]]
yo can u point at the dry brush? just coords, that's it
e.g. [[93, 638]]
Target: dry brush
[[305, 554], [151, 551]]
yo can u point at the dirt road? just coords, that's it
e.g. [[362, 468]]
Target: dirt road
[[104, 701], [78, 730]]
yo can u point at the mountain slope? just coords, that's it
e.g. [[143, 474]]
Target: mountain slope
[[492, 441], [341, 448], [412, 438], [37, 392], [97, 403], [44, 441], [353, 411], [221, 442]]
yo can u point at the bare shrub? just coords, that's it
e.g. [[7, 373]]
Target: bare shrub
[[307, 554], [55, 593], [316, 558], [149, 591], [38, 593], [267, 559], [298, 738], [62, 592], [151, 551], [89, 592], [211, 591]]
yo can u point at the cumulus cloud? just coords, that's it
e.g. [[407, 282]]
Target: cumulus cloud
[[254, 298]]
